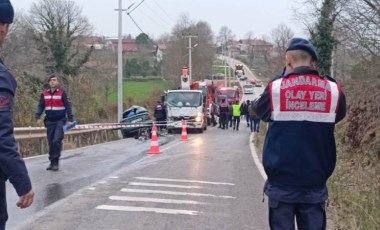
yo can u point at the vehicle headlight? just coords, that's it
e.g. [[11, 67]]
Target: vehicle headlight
[[198, 118]]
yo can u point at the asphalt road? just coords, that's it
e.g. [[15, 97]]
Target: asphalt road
[[208, 182]]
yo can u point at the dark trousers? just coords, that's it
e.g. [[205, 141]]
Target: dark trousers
[[3, 203], [236, 122], [229, 120], [307, 216], [55, 137], [213, 121], [247, 119], [223, 121], [255, 127], [161, 123]]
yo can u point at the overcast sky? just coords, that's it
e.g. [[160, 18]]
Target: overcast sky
[[156, 17]]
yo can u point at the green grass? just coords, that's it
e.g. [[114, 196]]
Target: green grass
[[218, 67], [139, 90]]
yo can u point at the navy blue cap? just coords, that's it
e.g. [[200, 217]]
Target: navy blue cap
[[6, 12], [303, 44]]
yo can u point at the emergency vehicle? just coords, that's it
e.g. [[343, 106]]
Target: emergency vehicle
[[187, 103], [232, 93]]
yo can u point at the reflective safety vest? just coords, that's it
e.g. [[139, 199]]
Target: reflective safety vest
[[304, 98], [53, 101], [236, 110]]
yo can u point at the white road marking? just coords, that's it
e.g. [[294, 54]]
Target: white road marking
[[91, 188], [145, 209], [175, 193], [102, 182], [145, 199], [162, 185], [177, 180], [256, 159], [113, 177]]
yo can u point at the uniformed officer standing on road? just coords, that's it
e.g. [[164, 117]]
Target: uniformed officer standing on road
[[58, 112], [299, 154], [160, 114], [12, 167]]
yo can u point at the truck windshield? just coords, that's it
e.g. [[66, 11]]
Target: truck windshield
[[184, 99]]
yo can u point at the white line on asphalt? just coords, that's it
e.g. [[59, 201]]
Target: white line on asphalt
[[162, 185], [256, 159], [145, 199], [91, 188], [175, 193], [177, 180], [143, 209]]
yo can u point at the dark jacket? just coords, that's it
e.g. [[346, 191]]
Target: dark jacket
[[160, 112], [11, 164], [299, 148], [54, 115]]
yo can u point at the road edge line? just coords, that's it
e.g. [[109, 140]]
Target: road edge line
[[256, 159]]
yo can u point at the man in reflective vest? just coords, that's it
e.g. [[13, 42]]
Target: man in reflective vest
[[57, 107], [236, 112], [12, 166], [299, 154]]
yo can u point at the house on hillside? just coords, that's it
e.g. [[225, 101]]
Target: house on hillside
[[129, 46], [160, 51], [98, 43], [259, 47]]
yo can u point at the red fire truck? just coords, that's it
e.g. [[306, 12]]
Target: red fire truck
[[232, 93]]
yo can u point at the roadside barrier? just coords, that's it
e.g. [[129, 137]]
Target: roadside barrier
[[154, 148], [184, 131]]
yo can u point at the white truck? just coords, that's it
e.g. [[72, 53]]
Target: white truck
[[186, 104]]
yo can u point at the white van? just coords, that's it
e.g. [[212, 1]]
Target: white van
[[248, 89]]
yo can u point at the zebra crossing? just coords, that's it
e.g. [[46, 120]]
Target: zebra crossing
[[151, 194]]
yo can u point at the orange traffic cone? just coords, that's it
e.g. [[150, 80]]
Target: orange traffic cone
[[154, 148], [184, 131]]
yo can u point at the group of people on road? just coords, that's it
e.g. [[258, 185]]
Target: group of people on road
[[230, 115]]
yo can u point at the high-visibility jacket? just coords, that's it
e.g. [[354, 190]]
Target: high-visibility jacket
[[55, 104], [236, 110], [302, 109]]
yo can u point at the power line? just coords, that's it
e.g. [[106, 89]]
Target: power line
[[133, 20], [158, 16], [164, 11], [135, 7]]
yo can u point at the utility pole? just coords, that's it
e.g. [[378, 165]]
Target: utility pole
[[189, 36], [120, 65]]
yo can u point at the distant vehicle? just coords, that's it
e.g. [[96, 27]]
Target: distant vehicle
[[133, 115], [239, 70], [232, 93], [248, 89], [243, 78], [258, 84]]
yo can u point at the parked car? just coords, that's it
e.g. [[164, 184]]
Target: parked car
[[248, 89], [135, 115], [258, 84]]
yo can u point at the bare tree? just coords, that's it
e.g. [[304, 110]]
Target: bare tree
[[58, 27], [177, 52], [281, 36]]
